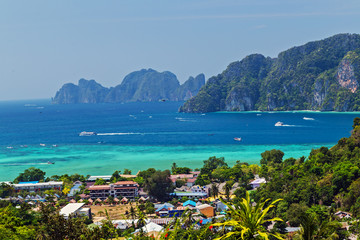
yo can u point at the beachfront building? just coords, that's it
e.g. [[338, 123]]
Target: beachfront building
[[188, 178], [127, 189], [75, 210], [36, 186]]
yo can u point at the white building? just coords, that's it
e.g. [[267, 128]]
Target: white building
[[37, 186], [257, 182], [75, 210]]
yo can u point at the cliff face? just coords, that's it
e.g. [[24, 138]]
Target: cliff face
[[320, 75], [87, 91], [144, 85], [190, 88]]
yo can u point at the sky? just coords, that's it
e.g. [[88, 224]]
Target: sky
[[45, 44]]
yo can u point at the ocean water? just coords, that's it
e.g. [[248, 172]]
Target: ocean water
[[142, 135]]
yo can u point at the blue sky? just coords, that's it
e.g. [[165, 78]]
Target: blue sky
[[45, 44]]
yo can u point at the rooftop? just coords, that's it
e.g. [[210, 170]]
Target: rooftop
[[71, 208]]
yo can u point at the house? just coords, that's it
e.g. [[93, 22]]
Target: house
[[188, 178], [257, 182], [220, 207], [206, 209], [150, 228], [75, 210], [341, 214], [126, 189], [93, 178], [162, 210], [177, 212], [35, 186], [196, 192], [189, 203]]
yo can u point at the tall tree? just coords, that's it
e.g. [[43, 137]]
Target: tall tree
[[159, 185], [30, 174]]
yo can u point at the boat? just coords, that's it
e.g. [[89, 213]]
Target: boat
[[237, 139], [306, 118], [279, 124], [9, 147], [55, 145], [87, 134], [42, 144], [50, 162]]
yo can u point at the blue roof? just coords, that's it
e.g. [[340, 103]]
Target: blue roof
[[33, 182], [189, 202], [162, 206]]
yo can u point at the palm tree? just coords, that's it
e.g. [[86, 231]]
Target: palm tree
[[247, 221], [311, 228], [227, 188], [214, 190]]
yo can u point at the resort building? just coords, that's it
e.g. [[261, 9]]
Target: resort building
[[126, 189], [188, 178], [37, 186], [75, 210]]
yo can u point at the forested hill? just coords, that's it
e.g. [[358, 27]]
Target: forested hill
[[329, 177], [321, 75], [145, 85]]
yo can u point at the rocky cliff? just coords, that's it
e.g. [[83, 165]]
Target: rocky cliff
[[144, 85], [320, 75]]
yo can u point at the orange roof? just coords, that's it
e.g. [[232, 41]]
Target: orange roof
[[125, 183], [99, 187]]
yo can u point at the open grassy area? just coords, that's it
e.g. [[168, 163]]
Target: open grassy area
[[114, 211]]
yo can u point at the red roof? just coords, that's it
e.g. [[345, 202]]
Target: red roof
[[191, 180]]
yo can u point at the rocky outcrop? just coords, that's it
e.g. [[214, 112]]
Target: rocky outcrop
[[144, 85], [190, 88], [320, 75], [87, 91], [346, 76]]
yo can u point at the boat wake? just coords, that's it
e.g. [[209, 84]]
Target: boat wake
[[185, 119], [118, 134]]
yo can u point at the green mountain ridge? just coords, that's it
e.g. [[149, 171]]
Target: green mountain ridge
[[320, 75]]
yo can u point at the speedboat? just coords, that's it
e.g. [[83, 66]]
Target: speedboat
[[87, 134], [42, 144], [50, 162], [279, 124], [237, 139]]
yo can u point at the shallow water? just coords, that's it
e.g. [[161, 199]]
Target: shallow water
[[142, 135]]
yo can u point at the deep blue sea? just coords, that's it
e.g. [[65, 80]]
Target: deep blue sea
[[153, 134]]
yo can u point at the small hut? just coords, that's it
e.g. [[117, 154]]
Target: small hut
[[116, 200], [72, 201], [124, 200], [142, 199], [98, 200]]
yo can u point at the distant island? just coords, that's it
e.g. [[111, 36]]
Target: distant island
[[145, 85], [322, 75]]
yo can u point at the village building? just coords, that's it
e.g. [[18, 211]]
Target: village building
[[124, 189], [37, 186], [206, 209], [75, 210], [257, 182]]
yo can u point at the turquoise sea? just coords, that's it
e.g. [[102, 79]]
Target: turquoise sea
[[142, 135]]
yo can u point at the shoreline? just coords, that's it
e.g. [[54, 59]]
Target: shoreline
[[104, 159]]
